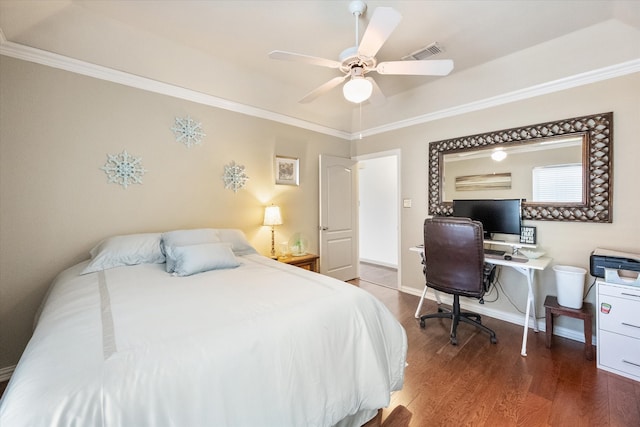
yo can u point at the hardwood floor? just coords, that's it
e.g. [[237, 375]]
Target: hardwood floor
[[378, 274], [481, 384]]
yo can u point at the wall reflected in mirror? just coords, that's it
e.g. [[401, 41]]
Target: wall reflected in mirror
[[543, 170]]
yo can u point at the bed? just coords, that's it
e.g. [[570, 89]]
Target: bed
[[194, 328]]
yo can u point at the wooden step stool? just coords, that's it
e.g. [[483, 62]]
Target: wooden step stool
[[552, 307]]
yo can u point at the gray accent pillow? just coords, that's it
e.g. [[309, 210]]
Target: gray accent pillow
[[238, 240], [196, 236], [130, 249], [205, 257]]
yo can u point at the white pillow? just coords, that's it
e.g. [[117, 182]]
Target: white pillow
[[199, 258], [196, 236], [239, 243], [131, 249]]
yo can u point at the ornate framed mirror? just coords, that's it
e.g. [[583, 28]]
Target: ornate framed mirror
[[581, 146]]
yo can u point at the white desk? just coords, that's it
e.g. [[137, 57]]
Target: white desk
[[527, 269]]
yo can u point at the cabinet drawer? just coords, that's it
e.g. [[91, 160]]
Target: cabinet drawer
[[619, 354], [631, 292], [308, 261], [619, 315], [306, 265]]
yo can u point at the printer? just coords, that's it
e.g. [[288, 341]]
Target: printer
[[602, 259]]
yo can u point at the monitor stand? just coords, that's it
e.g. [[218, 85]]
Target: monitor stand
[[515, 246]]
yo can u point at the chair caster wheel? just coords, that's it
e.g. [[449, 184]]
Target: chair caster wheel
[[422, 324], [454, 341], [494, 340]]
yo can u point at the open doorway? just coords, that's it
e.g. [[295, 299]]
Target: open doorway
[[379, 217]]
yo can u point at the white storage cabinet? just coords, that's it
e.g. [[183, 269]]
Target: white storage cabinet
[[618, 329]]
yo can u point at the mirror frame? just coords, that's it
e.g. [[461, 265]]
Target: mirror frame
[[597, 167]]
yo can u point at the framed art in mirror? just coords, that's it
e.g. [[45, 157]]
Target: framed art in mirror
[[589, 139]]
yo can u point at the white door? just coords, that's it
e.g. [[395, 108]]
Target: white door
[[338, 217]]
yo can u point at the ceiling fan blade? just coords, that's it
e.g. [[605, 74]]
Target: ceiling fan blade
[[323, 89], [297, 57], [382, 24], [434, 67], [377, 97]]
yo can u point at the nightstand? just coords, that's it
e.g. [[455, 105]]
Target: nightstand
[[308, 261]]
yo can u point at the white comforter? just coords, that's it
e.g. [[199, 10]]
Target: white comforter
[[265, 344]]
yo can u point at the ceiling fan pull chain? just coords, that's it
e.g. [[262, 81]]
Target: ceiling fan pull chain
[[360, 105]]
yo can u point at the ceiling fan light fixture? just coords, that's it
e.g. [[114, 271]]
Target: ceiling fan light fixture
[[355, 62], [357, 90]]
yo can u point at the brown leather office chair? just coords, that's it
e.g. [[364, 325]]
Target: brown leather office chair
[[454, 264]]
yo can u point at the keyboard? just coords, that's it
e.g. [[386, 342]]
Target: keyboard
[[494, 252]]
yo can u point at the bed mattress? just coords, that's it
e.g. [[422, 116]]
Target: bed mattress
[[263, 344]]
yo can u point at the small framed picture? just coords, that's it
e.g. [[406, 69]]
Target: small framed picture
[[287, 170], [528, 235]]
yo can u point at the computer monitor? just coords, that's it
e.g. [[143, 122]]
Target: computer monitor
[[497, 216]]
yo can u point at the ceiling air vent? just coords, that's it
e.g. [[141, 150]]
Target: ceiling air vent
[[425, 52]]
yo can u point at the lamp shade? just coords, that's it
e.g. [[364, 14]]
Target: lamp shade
[[357, 90], [272, 215]]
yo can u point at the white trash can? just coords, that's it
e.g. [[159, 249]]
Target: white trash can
[[570, 285]]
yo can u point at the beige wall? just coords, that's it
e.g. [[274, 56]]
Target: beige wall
[[566, 243], [56, 129], [519, 165]]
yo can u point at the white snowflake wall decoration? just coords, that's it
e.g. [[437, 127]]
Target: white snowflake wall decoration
[[188, 132], [234, 177], [124, 169]]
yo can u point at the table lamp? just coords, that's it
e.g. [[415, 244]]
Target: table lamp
[[272, 217]]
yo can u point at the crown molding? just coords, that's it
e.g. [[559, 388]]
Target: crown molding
[[27, 53], [589, 77], [42, 57]]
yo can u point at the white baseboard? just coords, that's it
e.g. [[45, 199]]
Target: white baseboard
[[5, 373], [517, 319]]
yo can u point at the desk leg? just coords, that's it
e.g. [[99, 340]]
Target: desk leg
[[531, 283], [424, 294], [531, 310], [437, 296]]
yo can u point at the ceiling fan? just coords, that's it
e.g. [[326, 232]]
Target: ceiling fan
[[356, 62]]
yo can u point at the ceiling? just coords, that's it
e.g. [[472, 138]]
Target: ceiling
[[220, 48]]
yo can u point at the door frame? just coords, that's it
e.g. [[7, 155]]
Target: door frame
[[397, 153]]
